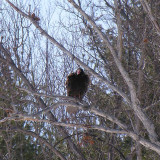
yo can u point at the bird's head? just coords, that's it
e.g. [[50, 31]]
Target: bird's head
[[79, 71]]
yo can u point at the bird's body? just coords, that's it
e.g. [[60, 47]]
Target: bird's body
[[77, 84]]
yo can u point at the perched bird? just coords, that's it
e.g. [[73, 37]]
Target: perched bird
[[77, 84]]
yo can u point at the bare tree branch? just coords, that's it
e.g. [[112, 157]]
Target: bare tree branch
[[30, 118], [92, 109], [148, 11], [46, 95], [152, 105], [80, 106], [119, 26], [142, 141], [73, 104]]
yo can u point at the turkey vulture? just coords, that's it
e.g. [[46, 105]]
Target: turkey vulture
[[77, 84]]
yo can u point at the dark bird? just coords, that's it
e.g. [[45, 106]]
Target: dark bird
[[77, 84]]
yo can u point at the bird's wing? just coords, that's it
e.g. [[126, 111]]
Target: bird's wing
[[70, 79]]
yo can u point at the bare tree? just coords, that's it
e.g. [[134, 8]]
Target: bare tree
[[122, 90]]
